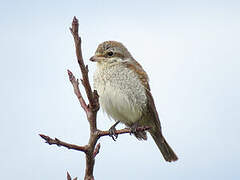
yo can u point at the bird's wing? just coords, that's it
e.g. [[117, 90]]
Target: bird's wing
[[152, 110], [135, 66], [142, 75]]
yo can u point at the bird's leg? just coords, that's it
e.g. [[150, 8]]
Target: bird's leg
[[112, 131]]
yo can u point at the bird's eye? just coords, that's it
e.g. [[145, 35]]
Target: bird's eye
[[110, 53]]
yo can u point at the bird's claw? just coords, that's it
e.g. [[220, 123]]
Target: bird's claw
[[112, 131]]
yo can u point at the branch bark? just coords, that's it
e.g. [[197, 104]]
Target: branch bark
[[84, 69], [75, 84], [92, 108], [58, 142], [91, 149]]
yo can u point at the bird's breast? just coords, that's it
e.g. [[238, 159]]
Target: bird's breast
[[121, 93]]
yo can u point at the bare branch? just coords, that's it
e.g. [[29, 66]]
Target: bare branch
[[123, 131], [84, 69], [77, 92], [57, 142], [93, 103]]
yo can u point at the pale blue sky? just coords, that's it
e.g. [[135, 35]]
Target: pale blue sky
[[191, 52]]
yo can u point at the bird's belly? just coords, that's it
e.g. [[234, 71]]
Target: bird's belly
[[119, 105]]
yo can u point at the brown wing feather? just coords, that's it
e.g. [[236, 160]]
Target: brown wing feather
[[151, 117], [136, 67], [153, 111]]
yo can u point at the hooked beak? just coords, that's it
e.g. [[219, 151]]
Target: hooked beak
[[94, 59]]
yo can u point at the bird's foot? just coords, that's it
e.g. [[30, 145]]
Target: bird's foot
[[112, 131], [133, 128], [140, 135]]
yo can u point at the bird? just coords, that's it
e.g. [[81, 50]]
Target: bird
[[125, 95]]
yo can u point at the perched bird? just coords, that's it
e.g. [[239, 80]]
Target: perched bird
[[124, 93]]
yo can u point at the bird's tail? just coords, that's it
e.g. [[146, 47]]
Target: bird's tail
[[163, 146]]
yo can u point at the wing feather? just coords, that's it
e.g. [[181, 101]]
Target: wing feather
[[135, 66]]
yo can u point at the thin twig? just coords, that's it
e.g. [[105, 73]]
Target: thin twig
[[84, 69], [69, 177], [58, 142], [77, 92]]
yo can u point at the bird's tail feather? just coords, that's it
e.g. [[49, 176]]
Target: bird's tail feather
[[163, 146]]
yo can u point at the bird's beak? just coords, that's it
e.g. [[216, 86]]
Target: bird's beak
[[94, 59]]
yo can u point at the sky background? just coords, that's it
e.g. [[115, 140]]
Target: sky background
[[191, 52]]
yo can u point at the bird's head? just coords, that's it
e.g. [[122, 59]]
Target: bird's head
[[111, 52]]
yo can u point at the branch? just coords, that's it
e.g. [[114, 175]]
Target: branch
[[92, 108], [91, 149], [57, 142], [77, 92], [123, 131], [84, 69]]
